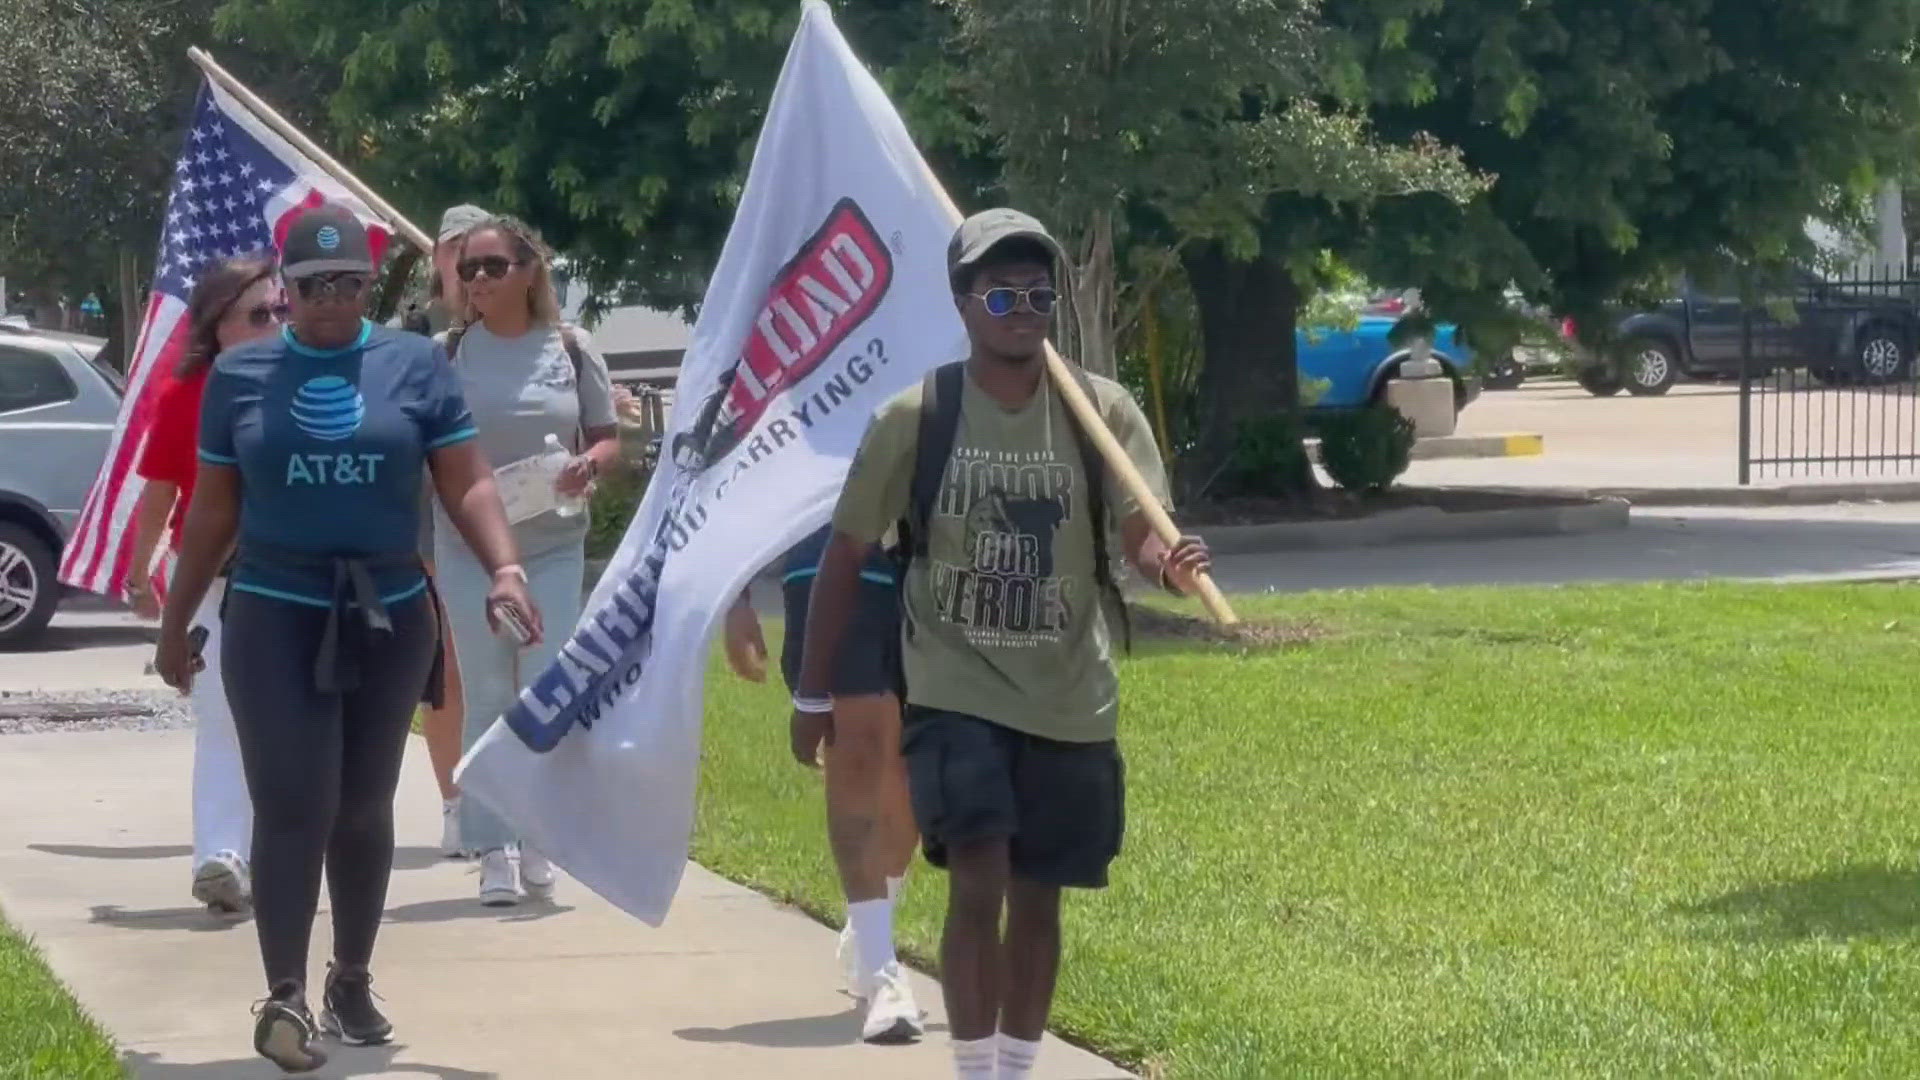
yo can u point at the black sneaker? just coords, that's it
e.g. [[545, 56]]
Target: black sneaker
[[349, 1012], [285, 1031]]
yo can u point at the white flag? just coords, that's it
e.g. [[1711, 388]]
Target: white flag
[[830, 297]]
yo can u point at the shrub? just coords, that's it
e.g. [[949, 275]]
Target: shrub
[[615, 498], [1267, 456], [1366, 450]]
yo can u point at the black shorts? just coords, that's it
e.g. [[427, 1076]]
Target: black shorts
[[1061, 806], [869, 661]]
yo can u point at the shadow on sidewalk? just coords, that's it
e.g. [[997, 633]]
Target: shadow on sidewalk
[[343, 1062], [194, 919], [798, 1033], [101, 851], [404, 858], [469, 907]]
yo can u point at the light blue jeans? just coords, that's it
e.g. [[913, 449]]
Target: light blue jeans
[[489, 675]]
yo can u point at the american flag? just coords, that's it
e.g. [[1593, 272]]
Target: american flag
[[236, 188]]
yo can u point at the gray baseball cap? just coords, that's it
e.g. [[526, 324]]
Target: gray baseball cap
[[458, 220], [989, 229], [324, 240]]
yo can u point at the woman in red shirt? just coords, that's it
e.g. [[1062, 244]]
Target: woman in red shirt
[[236, 301]]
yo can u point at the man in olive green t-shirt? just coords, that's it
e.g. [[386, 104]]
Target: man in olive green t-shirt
[[1012, 700]]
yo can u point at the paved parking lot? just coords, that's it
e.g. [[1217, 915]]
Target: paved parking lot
[[1688, 438]]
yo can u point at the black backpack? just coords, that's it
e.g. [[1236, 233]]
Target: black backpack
[[939, 426]]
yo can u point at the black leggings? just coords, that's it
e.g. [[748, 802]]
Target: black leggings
[[321, 767]]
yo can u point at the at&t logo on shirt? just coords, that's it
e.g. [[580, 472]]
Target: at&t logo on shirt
[[329, 408]]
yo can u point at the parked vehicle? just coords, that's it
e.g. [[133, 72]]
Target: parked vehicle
[[57, 413], [1840, 332], [1357, 363]]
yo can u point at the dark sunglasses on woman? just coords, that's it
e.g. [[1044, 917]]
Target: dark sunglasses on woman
[[1003, 302], [330, 286], [260, 316], [494, 266]]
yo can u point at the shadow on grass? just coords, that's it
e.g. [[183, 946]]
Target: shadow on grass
[[1861, 901], [342, 1061]]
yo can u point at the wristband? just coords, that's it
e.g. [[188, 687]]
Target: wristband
[[514, 569], [1166, 583], [812, 706]]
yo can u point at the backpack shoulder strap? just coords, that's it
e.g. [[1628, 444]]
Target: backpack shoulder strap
[[939, 426], [1096, 469], [575, 352]]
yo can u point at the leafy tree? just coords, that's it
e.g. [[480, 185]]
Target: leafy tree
[[1190, 111], [621, 128], [1630, 139], [97, 96]]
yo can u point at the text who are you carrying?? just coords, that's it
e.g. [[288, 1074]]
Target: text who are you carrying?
[[531, 382], [313, 447]]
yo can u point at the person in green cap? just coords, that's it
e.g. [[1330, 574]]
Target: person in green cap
[[1003, 510]]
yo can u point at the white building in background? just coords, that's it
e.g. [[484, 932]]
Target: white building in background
[[640, 344], [1879, 256]]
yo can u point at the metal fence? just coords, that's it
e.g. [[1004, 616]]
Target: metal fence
[[1827, 379]]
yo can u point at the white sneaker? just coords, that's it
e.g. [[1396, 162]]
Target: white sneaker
[[849, 957], [536, 874], [892, 1016], [450, 845], [221, 884], [498, 887]]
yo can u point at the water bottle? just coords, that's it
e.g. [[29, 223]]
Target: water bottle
[[557, 457]]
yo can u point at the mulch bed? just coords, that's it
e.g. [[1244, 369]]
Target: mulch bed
[[1334, 505]]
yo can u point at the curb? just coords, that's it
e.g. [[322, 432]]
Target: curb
[[1418, 524], [1438, 447], [1788, 495]]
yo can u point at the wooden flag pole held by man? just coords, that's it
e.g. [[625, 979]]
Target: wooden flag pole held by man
[[413, 233], [1122, 465]]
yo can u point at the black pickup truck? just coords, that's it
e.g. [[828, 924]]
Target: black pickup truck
[[1840, 332]]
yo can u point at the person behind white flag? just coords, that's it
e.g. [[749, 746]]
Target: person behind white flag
[[829, 299]]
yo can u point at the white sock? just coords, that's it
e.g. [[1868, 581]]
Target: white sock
[[872, 922], [894, 885], [973, 1059], [1017, 1057]]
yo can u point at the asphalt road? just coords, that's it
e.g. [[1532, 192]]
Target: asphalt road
[[93, 647]]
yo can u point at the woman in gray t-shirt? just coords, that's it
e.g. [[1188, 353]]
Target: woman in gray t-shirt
[[526, 376]]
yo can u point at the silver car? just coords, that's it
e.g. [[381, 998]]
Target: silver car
[[58, 407]]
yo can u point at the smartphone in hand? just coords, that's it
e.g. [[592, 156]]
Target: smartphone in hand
[[509, 617]]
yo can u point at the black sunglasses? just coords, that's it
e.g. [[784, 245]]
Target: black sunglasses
[[330, 286], [1003, 302], [494, 266], [260, 316]]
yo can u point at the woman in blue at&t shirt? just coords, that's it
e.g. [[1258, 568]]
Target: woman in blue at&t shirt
[[313, 448]]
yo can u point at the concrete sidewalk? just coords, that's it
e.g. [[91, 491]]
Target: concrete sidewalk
[[94, 866]]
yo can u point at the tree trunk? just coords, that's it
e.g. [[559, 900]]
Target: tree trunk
[[1248, 311], [1095, 288], [131, 308]]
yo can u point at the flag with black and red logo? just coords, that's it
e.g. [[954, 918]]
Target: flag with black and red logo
[[831, 296]]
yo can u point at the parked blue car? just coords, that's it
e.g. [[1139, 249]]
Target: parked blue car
[[1357, 363]]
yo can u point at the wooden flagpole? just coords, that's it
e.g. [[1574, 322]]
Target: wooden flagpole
[[412, 233], [1122, 465]]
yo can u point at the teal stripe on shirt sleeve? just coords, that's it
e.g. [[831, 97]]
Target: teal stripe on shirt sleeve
[[453, 437], [217, 459]]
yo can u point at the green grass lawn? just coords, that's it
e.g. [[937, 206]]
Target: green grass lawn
[[44, 1035], [1617, 831]]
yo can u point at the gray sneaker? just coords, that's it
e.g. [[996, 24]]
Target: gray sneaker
[[221, 883]]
